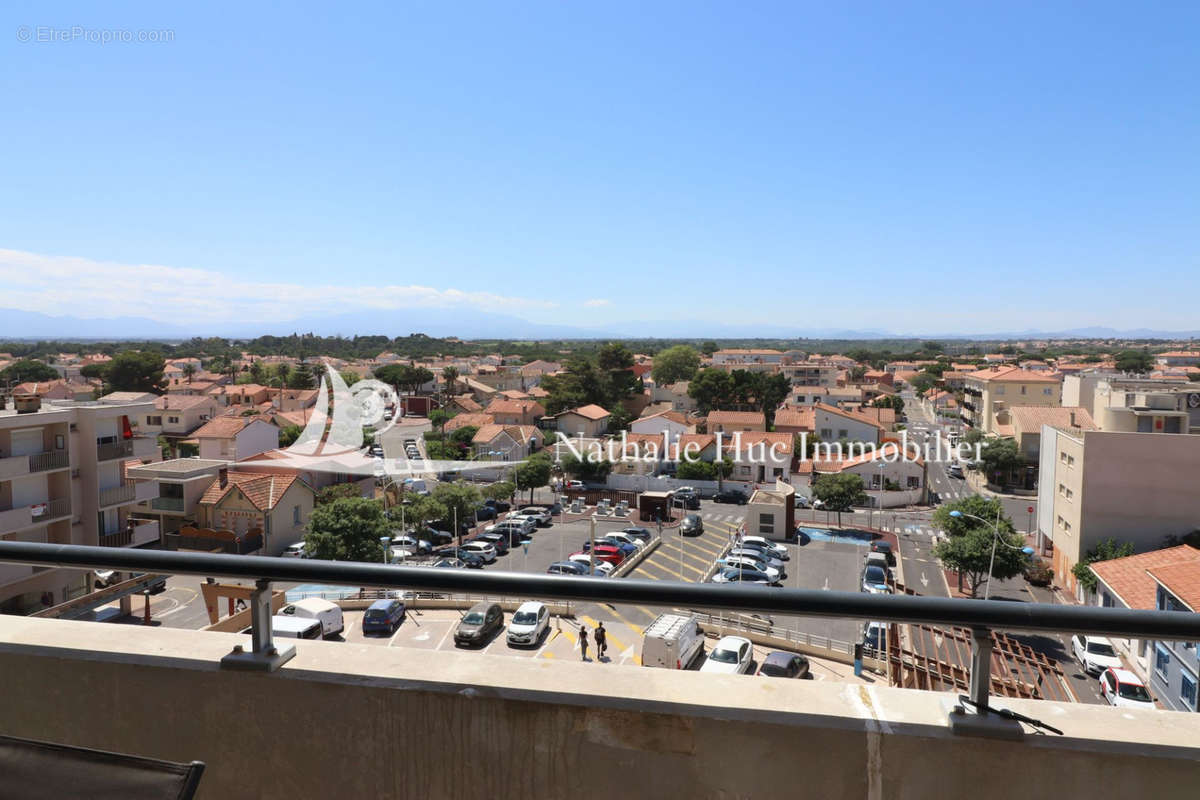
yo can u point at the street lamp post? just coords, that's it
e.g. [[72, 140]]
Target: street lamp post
[[995, 540], [386, 541]]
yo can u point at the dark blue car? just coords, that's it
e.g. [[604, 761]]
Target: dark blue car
[[625, 547], [383, 616]]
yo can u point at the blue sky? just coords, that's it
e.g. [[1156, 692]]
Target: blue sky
[[903, 166]]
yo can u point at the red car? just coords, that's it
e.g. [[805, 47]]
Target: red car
[[606, 552]]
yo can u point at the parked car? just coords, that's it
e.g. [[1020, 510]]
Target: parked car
[[874, 580], [383, 616], [496, 540], [418, 546], [1094, 653], [643, 534], [523, 525], [625, 548], [484, 513], [686, 500], [574, 485], [755, 553], [731, 655], [602, 568], [736, 496], [743, 575], [955, 470], [692, 525], [880, 546], [528, 624], [624, 538], [878, 560], [513, 536], [567, 568], [800, 501], [436, 536], [672, 641], [297, 550], [498, 505], [1120, 687], [784, 665], [477, 627], [875, 638], [328, 613], [606, 552], [750, 562], [761, 542], [452, 563], [482, 549], [539, 515], [472, 560]]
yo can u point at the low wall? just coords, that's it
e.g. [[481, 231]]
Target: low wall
[[356, 720]]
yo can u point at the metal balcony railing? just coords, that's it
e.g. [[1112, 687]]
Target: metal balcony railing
[[167, 504], [51, 459], [979, 615], [110, 450], [59, 507], [117, 494]]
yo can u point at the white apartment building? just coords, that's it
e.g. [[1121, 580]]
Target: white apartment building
[[1125, 403], [62, 480]]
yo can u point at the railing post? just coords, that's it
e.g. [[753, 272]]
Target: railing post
[[264, 655], [981, 667]]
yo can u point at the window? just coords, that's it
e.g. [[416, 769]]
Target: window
[[295, 515], [766, 523], [843, 433], [1046, 391], [1162, 657], [1022, 390], [999, 390], [914, 482], [1063, 457], [1106, 600], [777, 472], [173, 420], [1187, 689], [154, 420], [826, 434]]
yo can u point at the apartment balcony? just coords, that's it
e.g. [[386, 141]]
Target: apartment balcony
[[142, 532], [21, 517], [48, 460], [173, 505], [106, 451], [116, 495]]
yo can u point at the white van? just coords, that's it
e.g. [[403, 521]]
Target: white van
[[328, 613], [290, 628], [672, 641]]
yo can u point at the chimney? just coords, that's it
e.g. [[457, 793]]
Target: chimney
[[1073, 425], [223, 477]]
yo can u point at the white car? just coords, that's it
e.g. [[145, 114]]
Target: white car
[[1094, 653], [774, 548], [481, 549], [528, 624], [625, 538], [752, 563], [753, 552], [296, 550], [603, 568], [1120, 687], [731, 655], [538, 514]]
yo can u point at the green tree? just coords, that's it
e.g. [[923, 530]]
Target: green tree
[[999, 458], [459, 501], [976, 506], [580, 384], [500, 490], [450, 375], [678, 363], [585, 469], [463, 436], [301, 377], [407, 377], [840, 492], [135, 371], [770, 392], [420, 510], [289, 434], [696, 471], [438, 417], [30, 369], [283, 372], [258, 373], [922, 382], [890, 401], [613, 356], [970, 555], [189, 370], [711, 389], [337, 491], [348, 529], [1139, 361], [1105, 550], [533, 474]]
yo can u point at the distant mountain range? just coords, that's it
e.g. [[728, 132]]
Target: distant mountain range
[[472, 324]]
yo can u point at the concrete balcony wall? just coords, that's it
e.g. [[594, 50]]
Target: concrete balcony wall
[[145, 491], [349, 720], [13, 466], [115, 495], [15, 519], [144, 533]]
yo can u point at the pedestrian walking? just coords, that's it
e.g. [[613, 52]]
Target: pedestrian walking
[[583, 642], [601, 641]]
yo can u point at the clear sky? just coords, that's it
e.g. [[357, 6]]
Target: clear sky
[[890, 165]]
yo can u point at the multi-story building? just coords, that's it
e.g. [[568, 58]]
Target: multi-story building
[[988, 391], [1124, 403], [812, 373], [1179, 358], [63, 480], [1176, 664], [1132, 487], [743, 358]]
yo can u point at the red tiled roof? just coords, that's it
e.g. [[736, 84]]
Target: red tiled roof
[[463, 420], [802, 418], [854, 415], [590, 411], [502, 405], [1182, 579], [736, 418], [263, 490], [223, 427], [1128, 576], [1014, 375]]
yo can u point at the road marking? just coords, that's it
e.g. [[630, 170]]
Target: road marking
[[635, 628], [611, 638]]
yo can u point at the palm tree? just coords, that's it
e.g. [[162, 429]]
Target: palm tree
[[451, 376], [189, 370]]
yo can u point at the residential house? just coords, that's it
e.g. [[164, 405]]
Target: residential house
[[1024, 424], [477, 420], [295, 399], [991, 390], [1132, 487], [741, 358], [1176, 664], [588, 421], [240, 501], [506, 442], [1179, 358], [1127, 583], [812, 373], [830, 395], [673, 424], [891, 478], [758, 456], [236, 438], [176, 416], [515, 412], [674, 393], [696, 447], [463, 404], [730, 421], [55, 390], [794, 420], [832, 424]]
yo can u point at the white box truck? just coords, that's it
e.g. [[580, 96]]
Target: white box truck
[[672, 641], [327, 612]]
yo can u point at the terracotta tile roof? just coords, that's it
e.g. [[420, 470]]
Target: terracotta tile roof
[[263, 490], [469, 419], [736, 418], [1032, 418], [518, 433], [802, 418], [513, 394], [671, 414], [466, 403], [590, 411], [224, 427], [841, 412], [299, 418], [1014, 375], [538, 391], [181, 402], [785, 441], [502, 405], [889, 450], [701, 441], [1181, 579], [1128, 576]]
